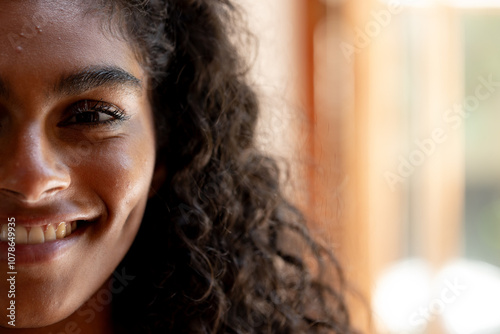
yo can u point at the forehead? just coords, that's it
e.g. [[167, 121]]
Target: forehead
[[41, 38]]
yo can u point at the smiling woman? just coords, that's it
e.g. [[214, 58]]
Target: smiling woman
[[70, 93], [128, 163]]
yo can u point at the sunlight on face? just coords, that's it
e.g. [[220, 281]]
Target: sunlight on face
[[76, 148]]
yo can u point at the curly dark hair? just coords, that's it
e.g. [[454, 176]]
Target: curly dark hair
[[213, 252]]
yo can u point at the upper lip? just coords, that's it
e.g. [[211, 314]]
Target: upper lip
[[40, 216], [43, 220]]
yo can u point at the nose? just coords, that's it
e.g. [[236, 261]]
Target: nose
[[29, 168]]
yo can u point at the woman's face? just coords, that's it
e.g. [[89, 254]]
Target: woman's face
[[76, 145]]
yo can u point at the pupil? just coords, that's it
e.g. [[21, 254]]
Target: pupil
[[87, 117]]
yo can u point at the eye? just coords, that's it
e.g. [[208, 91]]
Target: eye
[[90, 117], [93, 113]]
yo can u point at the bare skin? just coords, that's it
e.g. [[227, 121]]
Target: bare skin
[[76, 142]]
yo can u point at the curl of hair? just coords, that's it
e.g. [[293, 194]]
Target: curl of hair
[[211, 255]]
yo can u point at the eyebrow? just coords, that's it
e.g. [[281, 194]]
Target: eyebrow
[[95, 77]]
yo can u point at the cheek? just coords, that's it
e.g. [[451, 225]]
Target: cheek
[[120, 174], [117, 173]]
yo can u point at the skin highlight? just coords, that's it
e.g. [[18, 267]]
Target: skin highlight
[[53, 161]]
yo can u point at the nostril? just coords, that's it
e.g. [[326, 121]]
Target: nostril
[[31, 168], [53, 190], [27, 197], [12, 193]]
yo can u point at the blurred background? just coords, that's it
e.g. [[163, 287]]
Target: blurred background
[[389, 114]]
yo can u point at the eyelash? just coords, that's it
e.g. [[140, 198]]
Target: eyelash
[[91, 106]]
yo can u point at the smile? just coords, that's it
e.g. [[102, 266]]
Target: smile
[[32, 235]]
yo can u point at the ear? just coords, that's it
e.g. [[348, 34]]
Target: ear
[[159, 176]]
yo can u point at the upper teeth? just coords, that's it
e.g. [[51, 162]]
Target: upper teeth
[[39, 234]]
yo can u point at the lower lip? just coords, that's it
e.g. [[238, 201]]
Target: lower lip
[[39, 253]]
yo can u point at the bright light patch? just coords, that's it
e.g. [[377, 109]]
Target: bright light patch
[[464, 296], [399, 293], [477, 309]]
